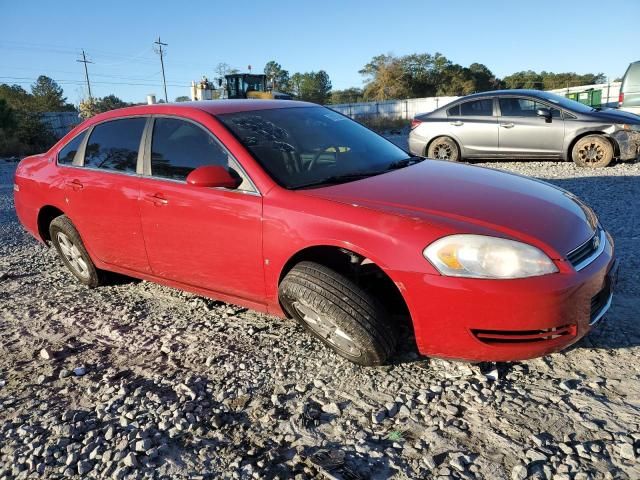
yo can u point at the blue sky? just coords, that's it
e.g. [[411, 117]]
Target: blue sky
[[46, 37]]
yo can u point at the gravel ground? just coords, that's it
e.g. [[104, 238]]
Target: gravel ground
[[135, 380]]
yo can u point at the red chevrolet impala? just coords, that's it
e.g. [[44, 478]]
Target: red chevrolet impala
[[292, 209]]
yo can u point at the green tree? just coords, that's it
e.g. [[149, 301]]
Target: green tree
[[16, 97], [348, 95], [183, 98], [94, 106], [48, 95], [7, 116], [311, 86], [277, 77], [524, 79], [21, 131], [484, 78], [386, 78]]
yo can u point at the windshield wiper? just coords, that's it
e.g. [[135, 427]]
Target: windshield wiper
[[333, 179], [405, 162]]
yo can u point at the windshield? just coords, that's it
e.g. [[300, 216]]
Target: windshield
[[313, 146], [565, 102]]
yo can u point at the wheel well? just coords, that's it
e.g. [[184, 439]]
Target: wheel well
[[426, 148], [45, 217], [358, 269], [616, 149]]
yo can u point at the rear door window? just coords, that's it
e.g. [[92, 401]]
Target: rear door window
[[482, 108], [114, 145]]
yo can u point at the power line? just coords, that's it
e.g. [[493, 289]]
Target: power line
[[27, 80], [86, 72], [161, 53]]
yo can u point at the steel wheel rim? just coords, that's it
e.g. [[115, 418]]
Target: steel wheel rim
[[327, 329], [442, 151], [591, 152], [72, 255]]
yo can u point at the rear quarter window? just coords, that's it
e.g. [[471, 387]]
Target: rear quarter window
[[68, 154], [454, 111]]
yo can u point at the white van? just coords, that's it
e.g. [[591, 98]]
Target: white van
[[630, 89]]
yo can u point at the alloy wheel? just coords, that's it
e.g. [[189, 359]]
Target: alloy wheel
[[591, 152], [72, 255], [442, 151], [326, 328]]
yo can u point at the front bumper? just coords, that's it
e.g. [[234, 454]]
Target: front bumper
[[628, 143], [504, 320]]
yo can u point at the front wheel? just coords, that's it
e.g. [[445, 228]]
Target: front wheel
[[338, 312], [444, 148], [592, 151]]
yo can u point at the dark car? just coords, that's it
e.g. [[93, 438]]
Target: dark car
[[526, 124]]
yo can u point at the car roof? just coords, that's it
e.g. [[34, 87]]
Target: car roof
[[515, 91], [214, 107]]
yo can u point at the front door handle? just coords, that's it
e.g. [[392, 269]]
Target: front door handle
[[507, 125], [74, 184], [156, 198], [457, 123]]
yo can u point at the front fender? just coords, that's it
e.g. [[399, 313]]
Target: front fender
[[392, 242]]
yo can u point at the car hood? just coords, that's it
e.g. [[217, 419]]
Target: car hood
[[474, 200], [615, 116]]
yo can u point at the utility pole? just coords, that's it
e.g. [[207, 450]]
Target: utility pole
[[86, 72], [160, 52]]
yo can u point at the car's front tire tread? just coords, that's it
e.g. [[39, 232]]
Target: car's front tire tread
[[355, 310]]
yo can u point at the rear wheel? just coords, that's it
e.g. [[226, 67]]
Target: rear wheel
[[444, 148], [67, 242], [592, 151], [338, 312]]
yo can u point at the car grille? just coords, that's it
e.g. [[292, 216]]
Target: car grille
[[493, 337], [588, 251]]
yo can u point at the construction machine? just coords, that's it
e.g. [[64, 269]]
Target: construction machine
[[250, 85]]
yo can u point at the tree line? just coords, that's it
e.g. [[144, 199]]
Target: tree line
[[390, 77], [385, 77]]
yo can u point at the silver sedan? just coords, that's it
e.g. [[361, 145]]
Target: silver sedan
[[526, 124]]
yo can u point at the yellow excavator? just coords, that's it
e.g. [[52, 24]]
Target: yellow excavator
[[250, 85]]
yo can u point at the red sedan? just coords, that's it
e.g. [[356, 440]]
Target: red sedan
[[292, 209]]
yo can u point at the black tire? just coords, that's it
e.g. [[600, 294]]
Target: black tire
[[592, 151], [67, 242], [338, 312], [444, 148]]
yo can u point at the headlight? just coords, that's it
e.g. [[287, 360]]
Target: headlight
[[479, 256]]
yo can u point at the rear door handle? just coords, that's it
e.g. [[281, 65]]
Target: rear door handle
[[507, 125], [457, 123], [156, 198], [75, 184]]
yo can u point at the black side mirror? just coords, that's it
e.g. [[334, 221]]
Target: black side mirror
[[544, 112]]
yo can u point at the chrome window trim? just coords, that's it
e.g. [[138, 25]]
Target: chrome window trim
[[587, 261], [103, 170], [183, 182]]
